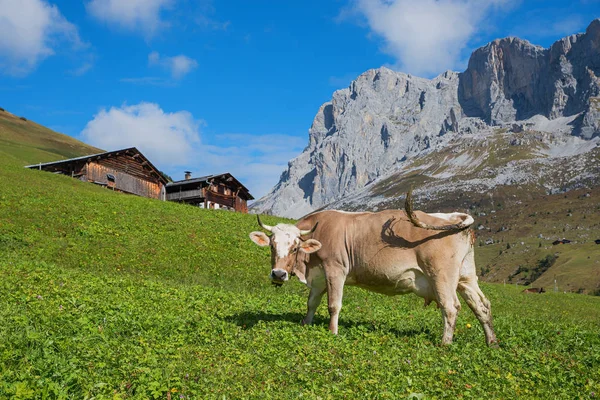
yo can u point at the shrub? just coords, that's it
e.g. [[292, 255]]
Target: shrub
[[543, 265], [517, 271]]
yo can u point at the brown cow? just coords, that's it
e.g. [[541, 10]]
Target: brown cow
[[390, 252]]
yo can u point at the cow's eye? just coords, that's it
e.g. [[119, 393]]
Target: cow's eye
[[294, 250]]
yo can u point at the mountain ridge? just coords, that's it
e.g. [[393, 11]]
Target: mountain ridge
[[385, 120]]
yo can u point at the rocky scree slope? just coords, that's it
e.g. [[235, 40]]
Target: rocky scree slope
[[519, 114]]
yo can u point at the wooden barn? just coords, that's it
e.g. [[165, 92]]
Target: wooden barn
[[127, 171], [211, 191]]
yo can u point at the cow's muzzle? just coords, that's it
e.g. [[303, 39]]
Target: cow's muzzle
[[278, 276]]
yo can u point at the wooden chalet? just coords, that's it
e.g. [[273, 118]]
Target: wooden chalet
[[127, 171], [211, 191]]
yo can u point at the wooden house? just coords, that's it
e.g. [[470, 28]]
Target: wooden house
[[211, 191], [127, 171]]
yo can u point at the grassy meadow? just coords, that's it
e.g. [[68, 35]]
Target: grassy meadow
[[110, 296]]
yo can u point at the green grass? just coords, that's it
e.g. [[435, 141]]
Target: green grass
[[32, 143], [105, 295]]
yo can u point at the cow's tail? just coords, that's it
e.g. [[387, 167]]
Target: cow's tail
[[408, 207]]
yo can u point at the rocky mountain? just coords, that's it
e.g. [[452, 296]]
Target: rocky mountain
[[519, 115]]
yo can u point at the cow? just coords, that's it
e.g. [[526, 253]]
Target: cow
[[390, 252], [535, 290]]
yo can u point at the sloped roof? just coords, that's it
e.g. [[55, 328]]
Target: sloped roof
[[106, 154], [201, 179]]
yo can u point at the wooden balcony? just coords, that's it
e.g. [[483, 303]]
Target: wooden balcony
[[186, 195], [199, 196]]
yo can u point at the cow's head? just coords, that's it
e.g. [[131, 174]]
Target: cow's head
[[289, 250]]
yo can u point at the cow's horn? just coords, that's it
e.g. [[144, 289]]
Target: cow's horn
[[302, 233], [265, 227]]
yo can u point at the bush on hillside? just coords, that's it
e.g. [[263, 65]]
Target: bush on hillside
[[543, 265]]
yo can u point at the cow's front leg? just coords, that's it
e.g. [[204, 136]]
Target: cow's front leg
[[335, 292], [314, 299]]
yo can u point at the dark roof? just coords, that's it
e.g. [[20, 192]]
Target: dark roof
[[208, 177], [106, 154], [192, 180]]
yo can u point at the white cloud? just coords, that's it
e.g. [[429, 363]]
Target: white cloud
[[149, 81], [83, 69], [426, 37], [169, 139], [211, 24], [30, 31], [135, 15], [172, 142], [178, 66], [86, 64]]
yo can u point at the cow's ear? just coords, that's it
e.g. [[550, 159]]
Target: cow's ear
[[310, 246], [260, 239]]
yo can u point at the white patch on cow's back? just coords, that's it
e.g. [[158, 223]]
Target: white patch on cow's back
[[352, 212], [285, 235], [455, 217]]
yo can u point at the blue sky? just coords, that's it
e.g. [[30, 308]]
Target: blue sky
[[233, 86]]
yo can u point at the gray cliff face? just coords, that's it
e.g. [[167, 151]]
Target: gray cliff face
[[382, 119], [511, 79], [503, 80], [386, 120]]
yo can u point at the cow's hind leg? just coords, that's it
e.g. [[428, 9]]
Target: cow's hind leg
[[314, 299], [470, 291]]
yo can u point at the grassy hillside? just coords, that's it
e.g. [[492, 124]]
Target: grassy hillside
[[32, 143], [523, 232], [107, 295]]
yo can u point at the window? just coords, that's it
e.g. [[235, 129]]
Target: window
[[111, 181]]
